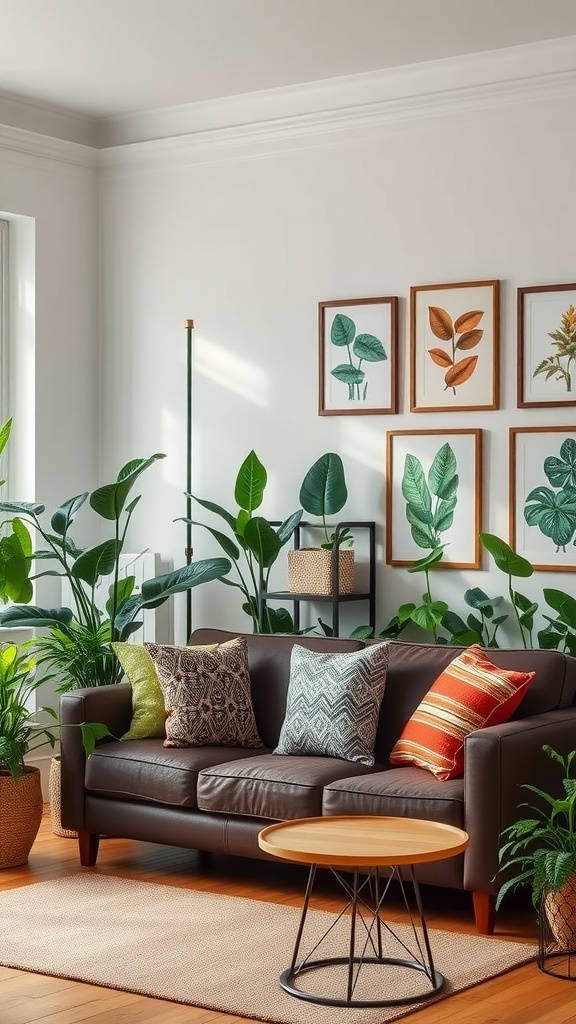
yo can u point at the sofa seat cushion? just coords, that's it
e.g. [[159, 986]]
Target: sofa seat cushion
[[272, 786], [398, 792], [146, 770]]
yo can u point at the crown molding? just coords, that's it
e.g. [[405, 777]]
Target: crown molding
[[505, 70], [30, 144], [47, 120]]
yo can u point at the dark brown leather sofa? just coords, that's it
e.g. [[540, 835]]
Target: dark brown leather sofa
[[218, 798]]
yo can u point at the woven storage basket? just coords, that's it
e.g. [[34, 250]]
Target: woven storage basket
[[560, 909], [20, 816], [55, 801], [310, 571]]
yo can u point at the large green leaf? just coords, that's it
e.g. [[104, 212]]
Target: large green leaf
[[370, 348], [5, 433], [228, 546], [96, 562], [442, 477], [347, 374], [562, 472], [155, 591], [64, 516], [22, 508], [342, 331], [119, 593], [108, 501], [263, 541], [287, 528], [553, 513], [32, 617], [505, 558], [562, 603], [428, 561], [210, 506], [323, 491], [415, 489], [250, 483]]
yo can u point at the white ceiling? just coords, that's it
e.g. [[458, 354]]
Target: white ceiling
[[103, 58]]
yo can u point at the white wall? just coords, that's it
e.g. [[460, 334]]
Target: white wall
[[248, 237]]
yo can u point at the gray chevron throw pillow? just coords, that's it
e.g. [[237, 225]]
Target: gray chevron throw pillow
[[333, 703]]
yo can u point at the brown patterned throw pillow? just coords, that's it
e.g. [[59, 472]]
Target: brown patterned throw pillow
[[207, 695]]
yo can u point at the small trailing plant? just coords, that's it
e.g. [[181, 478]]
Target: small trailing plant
[[252, 544], [461, 335], [324, 493], [541, 848], [554, 511], [364, 348], [559, 365]]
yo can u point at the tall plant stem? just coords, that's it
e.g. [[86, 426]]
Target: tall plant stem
[[513, 603]]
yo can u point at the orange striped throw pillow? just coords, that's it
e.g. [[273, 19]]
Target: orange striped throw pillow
[[471, 693]]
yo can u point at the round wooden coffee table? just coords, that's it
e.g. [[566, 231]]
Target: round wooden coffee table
[[360, 846]]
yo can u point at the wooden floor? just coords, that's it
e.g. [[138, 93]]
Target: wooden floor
[[524, 996]]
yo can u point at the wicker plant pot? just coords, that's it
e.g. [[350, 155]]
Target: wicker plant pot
[[20, 816], [310, 571], [55, 801], [560, 910]]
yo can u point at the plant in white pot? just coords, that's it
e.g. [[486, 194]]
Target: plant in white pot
[[321, 570], [540, 850], [20, 734]]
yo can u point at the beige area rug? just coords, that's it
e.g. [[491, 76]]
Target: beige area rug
[[220, 952]]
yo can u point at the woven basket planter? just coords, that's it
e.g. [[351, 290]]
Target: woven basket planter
[[560, 910], [55, 801], [20, 816], [310, 571]]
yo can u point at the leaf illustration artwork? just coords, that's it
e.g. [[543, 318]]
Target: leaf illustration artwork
[[554, 512], [431, 500], [366, 348], [462, 335], [559, 365]]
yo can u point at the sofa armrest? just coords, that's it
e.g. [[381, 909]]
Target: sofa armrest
[[498, 761], [108, 705]]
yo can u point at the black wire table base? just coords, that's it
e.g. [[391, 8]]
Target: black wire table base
[[365, 903]]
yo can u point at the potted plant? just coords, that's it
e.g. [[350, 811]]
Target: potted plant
[[317, 570], [20, 734], [540, 850], [77, 645]]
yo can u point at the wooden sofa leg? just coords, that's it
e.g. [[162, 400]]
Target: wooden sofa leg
[[88, 843], [484, 912]]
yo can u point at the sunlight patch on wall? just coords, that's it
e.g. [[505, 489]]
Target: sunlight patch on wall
[[231, 371], [365, 443]]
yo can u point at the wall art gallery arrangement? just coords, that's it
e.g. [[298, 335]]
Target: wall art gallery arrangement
[[434, 477]]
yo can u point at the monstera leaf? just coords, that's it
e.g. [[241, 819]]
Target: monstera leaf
[[553, 513], [562, 472]]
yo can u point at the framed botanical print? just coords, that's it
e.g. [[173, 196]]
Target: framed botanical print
[[357, 343], [434, 496], [547, 346], [543, 496], [454, 346]]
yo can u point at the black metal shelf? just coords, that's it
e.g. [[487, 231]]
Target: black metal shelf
[[334, 599]]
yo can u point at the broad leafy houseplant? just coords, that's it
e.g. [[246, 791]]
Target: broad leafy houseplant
[[78, 643], [540, 849]]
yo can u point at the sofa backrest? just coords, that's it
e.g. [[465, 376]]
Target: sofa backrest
[[412, 670], [269, 665]]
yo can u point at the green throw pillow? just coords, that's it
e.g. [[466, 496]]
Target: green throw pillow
[[148, 710]]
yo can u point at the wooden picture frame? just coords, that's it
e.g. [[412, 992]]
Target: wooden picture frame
[[546, 346], [454, 346], [358, 357], [434, 496], [542, 510]]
